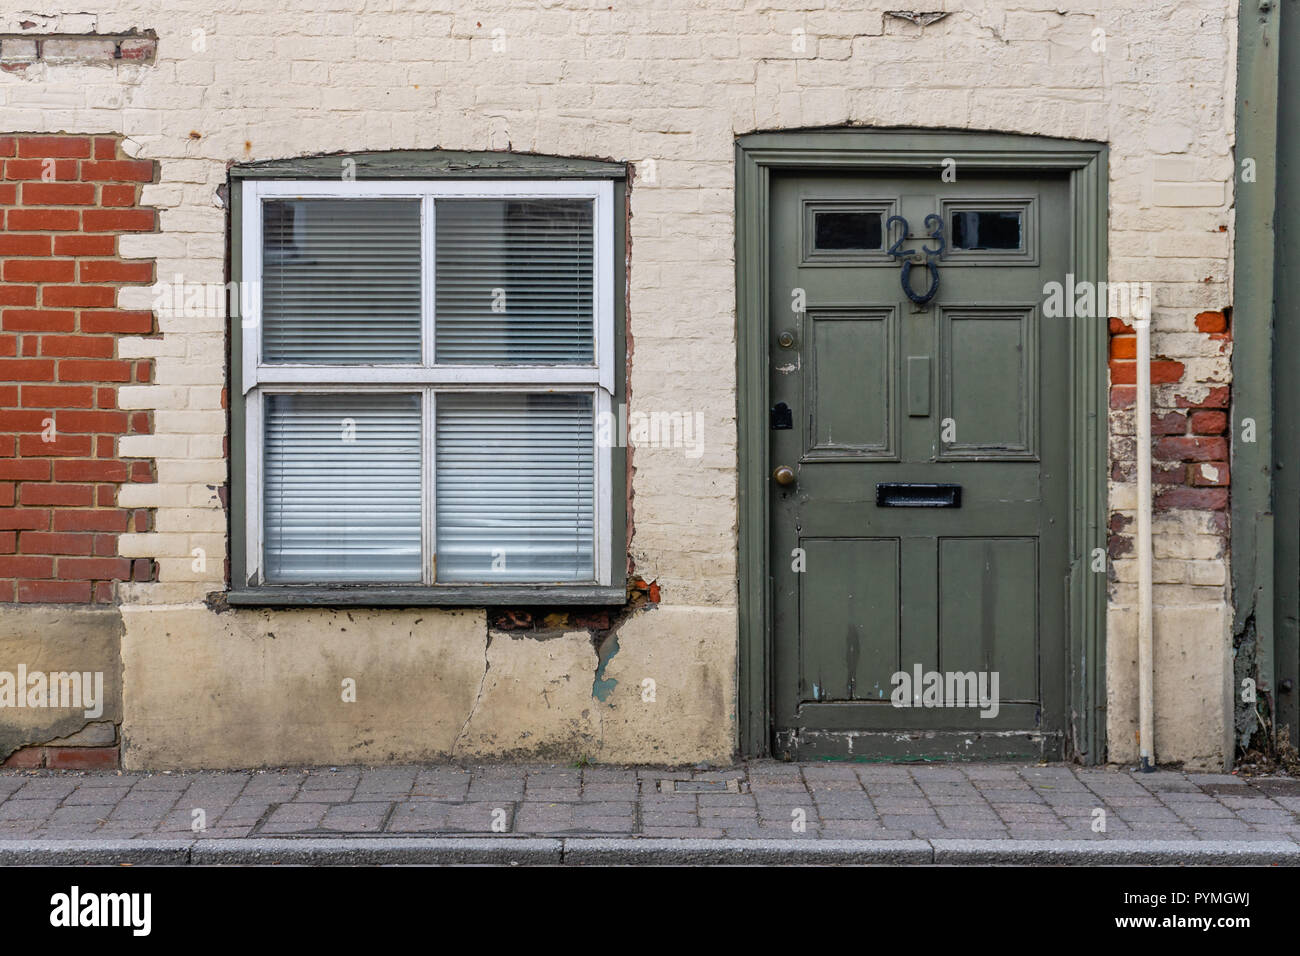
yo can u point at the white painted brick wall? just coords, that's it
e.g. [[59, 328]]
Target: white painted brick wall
[[672, 81]]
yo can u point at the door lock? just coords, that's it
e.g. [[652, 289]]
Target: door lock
[[783, 475]]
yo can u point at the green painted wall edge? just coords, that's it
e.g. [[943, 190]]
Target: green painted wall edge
[[437, 164], [431, 164], [1253, 553], [1285, 646]]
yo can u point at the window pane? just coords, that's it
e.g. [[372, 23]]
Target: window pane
[[847, 231], [342, 488], [514, 281], [341, 281], [986, 229], [515, 487]]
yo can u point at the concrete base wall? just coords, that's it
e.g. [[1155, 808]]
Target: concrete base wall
[[198, 689], [60, 640], [271, 688], [1193, 686]]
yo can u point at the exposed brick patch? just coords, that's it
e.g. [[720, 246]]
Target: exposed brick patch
[[82, 758], [64, 758], [1209, 423], [1174, 423], [1122, 396], [18, 52], [27, 758], [640, 593], [1191, 448], [60, 366], [1199, 499], [1212, 322], [1190, 441], [1219, 397], [1184, 448], [1163, 372], [549, 619], [1210, 474]]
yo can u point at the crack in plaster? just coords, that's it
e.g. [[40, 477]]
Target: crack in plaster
[[478, 698]]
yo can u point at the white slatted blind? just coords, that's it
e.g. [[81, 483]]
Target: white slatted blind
[[515, 487], [342, 488], [341, 281], [357, 276], [514, 281]]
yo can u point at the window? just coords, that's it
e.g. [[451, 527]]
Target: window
[[839, 231], [987, 229], [836, 231], [992, 230], [425, 366]]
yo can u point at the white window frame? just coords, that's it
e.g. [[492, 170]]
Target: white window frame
[[429, 378]]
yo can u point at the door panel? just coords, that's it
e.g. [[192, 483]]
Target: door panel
[[852, 636], [988, 378], [851, 383], [986, 621], [966, 390]]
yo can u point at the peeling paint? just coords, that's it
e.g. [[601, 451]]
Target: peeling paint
[[602, 686], [1245, 716]]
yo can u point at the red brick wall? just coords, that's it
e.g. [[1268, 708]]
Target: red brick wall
[[1188, 436], [64, 202]]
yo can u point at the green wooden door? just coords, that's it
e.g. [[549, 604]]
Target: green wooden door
[[924, 532]]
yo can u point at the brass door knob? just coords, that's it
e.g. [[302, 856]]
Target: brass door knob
[[783, 475]]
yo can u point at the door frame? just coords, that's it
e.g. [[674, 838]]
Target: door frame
[[865, 150]]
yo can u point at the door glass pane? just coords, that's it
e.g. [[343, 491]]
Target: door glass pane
[[987, 229], [342, 488], [514, 281], [515, 487], [341, 281], [847, 231]]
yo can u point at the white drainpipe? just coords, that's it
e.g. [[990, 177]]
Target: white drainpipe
[[1146, 656]]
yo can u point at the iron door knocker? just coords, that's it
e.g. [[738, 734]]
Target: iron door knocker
[[930, 259]]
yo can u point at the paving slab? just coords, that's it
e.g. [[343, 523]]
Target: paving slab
[[1018, 807]]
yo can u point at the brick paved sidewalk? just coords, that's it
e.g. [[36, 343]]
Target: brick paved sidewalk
[[760, 799]]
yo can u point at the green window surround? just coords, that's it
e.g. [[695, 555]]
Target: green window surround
[[429, 346]]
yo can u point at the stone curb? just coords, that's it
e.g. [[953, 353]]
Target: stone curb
[[527, 851], [1117, 852], [363, 851], [677, 852], [94, 852]]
